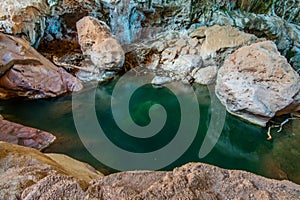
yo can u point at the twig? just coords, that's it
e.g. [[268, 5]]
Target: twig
[[280, 126]]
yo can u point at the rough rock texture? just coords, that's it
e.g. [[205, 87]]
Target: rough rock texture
[[179, 56], [54, 187], [274, 20], [200, 181], [24, 17], [256, 17], [26, 136], [131, 21], [29, 174], [191, 181], [221, 37], [100, 45], [82, 170], [184, 64], [23, 167], [255, 82], [206, 75], [25, 73]]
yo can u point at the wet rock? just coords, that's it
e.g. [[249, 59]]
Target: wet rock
[[26, 73], [26, 136], [256, 82], [103, 49], [23, 167]]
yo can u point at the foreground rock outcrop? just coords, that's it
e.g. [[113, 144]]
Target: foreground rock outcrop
[[26, 136], [23, 167], [26, 73], [256, 82], [29, 174]]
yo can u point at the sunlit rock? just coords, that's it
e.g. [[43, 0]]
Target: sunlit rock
[[23, 167]]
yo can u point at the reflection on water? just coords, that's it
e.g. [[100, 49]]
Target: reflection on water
[[241, 145]]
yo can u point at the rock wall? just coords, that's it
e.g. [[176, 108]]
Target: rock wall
[[133, 20]]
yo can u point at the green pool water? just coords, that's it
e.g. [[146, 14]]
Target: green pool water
[[241, 145]]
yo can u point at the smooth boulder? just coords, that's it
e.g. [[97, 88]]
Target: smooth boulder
[[101, 47], [26, 73], [23, 135]]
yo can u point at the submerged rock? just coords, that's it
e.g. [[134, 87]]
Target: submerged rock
[[256, 82], [26, 136], [103, 49], [26, 73]]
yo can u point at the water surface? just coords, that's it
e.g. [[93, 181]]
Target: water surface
[[241, 145]]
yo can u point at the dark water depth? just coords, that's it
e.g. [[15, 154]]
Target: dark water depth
[[240, 146]]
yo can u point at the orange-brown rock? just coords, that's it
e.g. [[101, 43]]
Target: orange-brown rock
[[26, 73]]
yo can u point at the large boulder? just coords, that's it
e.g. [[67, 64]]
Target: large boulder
[[23, 167], [103, 49], [256, 82], [26, 73], [26, 136]]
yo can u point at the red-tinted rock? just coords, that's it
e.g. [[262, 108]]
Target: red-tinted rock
[[26, 73], [26, 136]]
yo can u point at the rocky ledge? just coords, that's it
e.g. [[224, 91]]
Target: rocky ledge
[[28, 174], [26, 136], [26, 73]]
